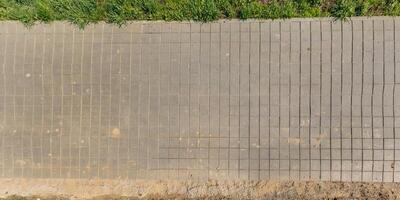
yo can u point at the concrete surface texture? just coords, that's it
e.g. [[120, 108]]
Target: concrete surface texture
[[279, 100]]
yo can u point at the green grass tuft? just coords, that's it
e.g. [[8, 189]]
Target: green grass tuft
[[202, 10], [343, 9], [84, 12]]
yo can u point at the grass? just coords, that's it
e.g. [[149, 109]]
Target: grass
[[83, 12]]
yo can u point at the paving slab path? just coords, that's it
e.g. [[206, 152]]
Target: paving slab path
[[293, 99]]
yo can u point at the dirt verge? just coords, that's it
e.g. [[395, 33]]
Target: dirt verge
[[34, 189]]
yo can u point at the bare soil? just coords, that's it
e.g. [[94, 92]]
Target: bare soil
[[129, 190]]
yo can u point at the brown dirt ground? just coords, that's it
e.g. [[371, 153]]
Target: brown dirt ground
[[242, 190]]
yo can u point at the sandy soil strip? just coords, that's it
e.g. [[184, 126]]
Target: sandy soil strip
[[125, 189]]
